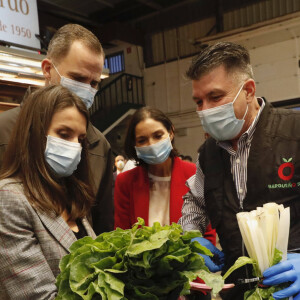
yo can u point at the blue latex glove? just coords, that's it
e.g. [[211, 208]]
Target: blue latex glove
[[285, 271], [215, 263]]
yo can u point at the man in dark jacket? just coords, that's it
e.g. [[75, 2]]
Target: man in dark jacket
[[238, 166], [75, 60]]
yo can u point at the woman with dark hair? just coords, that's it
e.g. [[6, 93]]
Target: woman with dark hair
[[154, 189], [45, 192]]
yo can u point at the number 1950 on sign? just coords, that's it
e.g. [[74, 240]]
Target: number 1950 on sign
[[21, 31]]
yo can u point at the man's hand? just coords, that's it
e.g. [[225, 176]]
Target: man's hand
[[215, 263], [286, 271]]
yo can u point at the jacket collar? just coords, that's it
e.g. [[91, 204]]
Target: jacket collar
[[56, 225], [92, 136], [60, 229]]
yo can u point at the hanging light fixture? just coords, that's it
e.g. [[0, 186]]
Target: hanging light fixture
[[105, 73], [25, 67], [21, 66]]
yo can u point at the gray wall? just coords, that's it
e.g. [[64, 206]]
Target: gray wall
[[275, 52]]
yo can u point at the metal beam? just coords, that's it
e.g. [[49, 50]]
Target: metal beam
[[107, 3], [64, 8], [66, 13], [182, 3], [220, 16], [151, 4]]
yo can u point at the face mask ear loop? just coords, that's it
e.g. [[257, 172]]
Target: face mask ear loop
[[237, 97], [245, 112], [238, 93], [56, 69]]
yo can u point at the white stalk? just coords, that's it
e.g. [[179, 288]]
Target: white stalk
[[283, 232], [263, 230]]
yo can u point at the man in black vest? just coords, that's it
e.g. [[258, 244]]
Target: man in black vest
[[243, 163]]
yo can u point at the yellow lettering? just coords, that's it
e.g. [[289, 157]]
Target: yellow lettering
[[13, 6], [16, 5], [3, 27], [24, 10]]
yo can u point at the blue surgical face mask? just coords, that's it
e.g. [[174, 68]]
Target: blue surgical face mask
[[156, 153], [84, 91], [220, 122], [62, 156]]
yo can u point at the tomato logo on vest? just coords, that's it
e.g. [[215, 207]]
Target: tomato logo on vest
[[286, 165]]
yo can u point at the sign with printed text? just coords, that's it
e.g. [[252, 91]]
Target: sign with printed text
[[19, 22]]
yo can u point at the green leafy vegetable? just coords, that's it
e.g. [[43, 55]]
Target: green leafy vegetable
[[258, 293], [241, 261], [155, 262], [264, 293]]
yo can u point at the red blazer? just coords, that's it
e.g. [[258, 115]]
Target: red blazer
[[131, 195]]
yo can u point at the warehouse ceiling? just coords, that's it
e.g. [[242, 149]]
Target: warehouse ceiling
[[130, 20]]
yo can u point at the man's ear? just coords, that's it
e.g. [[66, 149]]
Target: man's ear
[[250, 88], [46, 68]]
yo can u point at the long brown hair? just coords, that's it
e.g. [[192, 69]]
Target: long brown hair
[[24, 158]]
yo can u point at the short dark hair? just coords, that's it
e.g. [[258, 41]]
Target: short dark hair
[[64, 37], [234, 57], [140, 115]]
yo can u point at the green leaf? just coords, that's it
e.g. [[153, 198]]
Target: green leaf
[[290, 159], [264, 293], [189, 235], [249, 294], [212, 280], [64, 290], [285, 160], [155, 242], [64, 262], [252, 295], [241, 261], [82, 242], [277, 257], [197, 247]]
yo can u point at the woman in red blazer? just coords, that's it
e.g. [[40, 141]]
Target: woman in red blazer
[[154, 189]]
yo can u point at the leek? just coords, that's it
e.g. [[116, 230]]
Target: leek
[[263, 230]]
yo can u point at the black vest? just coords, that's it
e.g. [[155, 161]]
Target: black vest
[[274, 154]]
